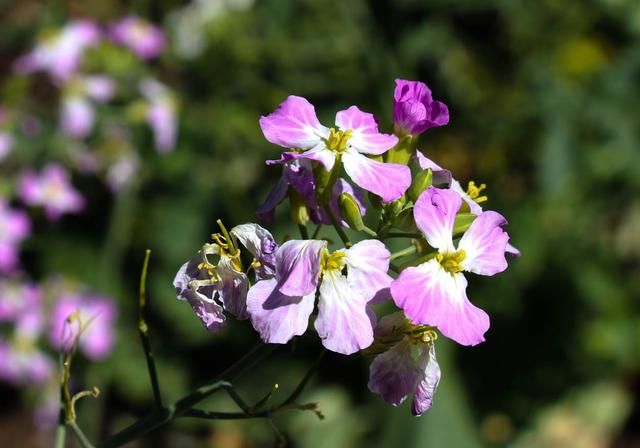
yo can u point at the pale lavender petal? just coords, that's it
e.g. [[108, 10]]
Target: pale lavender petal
[[77, 116], [429, 295], [276, 316], [484, 244], [368, 263], [6, 144], [441, 176], [365, 138], [207, 310], [140, 36], [262, 246], [512, 250], [100, 87], [162, 120], [97, 340], [8, 257], [474, 207], [298, 266], [342, 323], [435, 213], [426, 389], [233, 291], [294, 125], [321, 154], [394, 374], [387, 180]]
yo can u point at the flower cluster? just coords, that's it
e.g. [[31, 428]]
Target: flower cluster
[[280, 287]]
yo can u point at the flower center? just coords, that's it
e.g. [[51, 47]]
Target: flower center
[[473, 191], [337, 140], [333, 262], [451, 261]]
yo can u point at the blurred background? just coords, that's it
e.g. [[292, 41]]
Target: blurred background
[[145, 136]]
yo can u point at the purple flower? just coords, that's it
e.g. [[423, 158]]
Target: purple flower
[[295, 125], [78, 115], [14, 227], [260, 243], [95, 317], [52, 190], [140, 36], [434, 293], [60, 54], [414, 110], [161, 114], [280, 307], [17, 298], [398, 372]]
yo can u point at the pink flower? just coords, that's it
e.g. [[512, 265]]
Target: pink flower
[[434, 293], [60, 54], [161, 114], [143, 38], [295, 125], [17, 298], [52, 190], [414, 110], [6, 144], [14, 227], [78, 115]]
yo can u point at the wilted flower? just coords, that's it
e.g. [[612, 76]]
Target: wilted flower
[[50, 189], [140, 36], [60, 53], [397, 371], [294, 125], [434, 293], [14, 227], [93, 315], [280, 307], [414, 110], [161, 114]]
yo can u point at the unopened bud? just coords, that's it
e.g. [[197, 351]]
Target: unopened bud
[[350, 211], [463, 222], [421, 181], [298, 208], [404, 221]]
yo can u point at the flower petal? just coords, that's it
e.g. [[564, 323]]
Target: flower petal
[[435, 212], [394, 374], [294, 125], [474, 207], [512, 250], [276, 316], [262, 246], [298, 266], [441, 176], [233, 291], [426, 389], [484, 244], [366, 138], [368, 263], [429, 295], [319, 153], [266, 210], [343, 323], [387, 180]]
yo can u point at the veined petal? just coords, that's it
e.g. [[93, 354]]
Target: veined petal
[[387, 180], [294, 124], [262, 246], [298, 266], [276, 316], [426, 389], [233, 291], [429, 295], [484, 244], [394, 374], [440, 175], [342, 323], [474, 207], [320, 153], [366, 138], [368, 263], [435, 212]]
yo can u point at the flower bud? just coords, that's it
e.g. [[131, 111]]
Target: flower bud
[[298, 208], [421, 181], [350, 211]]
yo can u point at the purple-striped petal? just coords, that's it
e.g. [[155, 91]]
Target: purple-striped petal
[[343, 323], [484, 244], [260, 243], [233, 290], [435, 213], [426, 389], [387, 180], [394, 374], [368, 263], [429, 295], [276, 316], [298, 266], [294, 125], [365, 138]]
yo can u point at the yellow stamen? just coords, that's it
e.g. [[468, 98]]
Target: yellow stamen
[[333, 262], [473, 191], [337, 140], [451, 261]]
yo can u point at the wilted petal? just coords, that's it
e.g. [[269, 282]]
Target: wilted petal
[[342, 323], [387, 180], [294, 125], [298, 266], [365, 138], [276, 316], [394, 374], [233, 289], [484, 244], [262, 246], [429, 295], [389, 323], [368, 263], [426, 389], [435, 212]]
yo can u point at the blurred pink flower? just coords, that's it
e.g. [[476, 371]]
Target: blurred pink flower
[[52, 190], [161, 114], [6, 144], [140, 36], [60, 53], [14, 227], [17, 298], [78, 114]]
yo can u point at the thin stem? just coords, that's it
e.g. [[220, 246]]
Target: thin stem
[[395, 268], [369, 231], [143, 329], [61, 431], [303, 231], [404, 252], [81, 437], [402, 235], [316, 232], [338, 227]]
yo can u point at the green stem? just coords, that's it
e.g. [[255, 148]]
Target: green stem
[[339, 230], [81, 437], [402, 235], [61, 431], [404, 252], [143, 329], [316, 232], [303, 231], [369, 231]]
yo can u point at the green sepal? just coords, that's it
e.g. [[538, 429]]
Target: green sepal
[[421, 181], [351, 211]]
